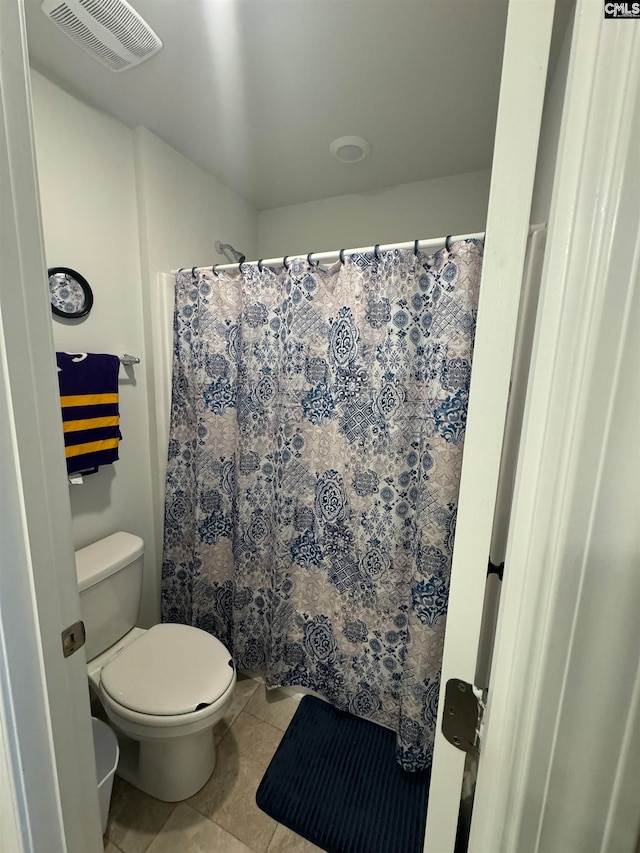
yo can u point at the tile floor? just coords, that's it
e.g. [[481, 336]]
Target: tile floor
[[223, 817]]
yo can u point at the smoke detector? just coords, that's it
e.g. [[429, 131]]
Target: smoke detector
[[350, 149], [111, 31]]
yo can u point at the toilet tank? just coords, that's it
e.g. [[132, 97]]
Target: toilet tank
[[109, 576]]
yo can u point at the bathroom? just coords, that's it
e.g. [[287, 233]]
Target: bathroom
[[120, 204]]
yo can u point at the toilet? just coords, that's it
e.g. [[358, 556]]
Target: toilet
[[163, 689]]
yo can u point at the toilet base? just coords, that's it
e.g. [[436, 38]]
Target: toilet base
[[170, 770]]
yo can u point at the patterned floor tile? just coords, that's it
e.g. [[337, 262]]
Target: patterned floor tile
[[273, 707], [187, 831], [228, 798], [285, 841], [134, 818], [245, 688]]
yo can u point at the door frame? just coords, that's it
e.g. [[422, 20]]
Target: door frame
[[44, 698], [593, 251], [59, 769]]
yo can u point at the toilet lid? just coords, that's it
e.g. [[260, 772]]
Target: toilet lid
[[171, 669]]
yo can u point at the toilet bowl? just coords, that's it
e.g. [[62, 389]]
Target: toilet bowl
[[163, 689]]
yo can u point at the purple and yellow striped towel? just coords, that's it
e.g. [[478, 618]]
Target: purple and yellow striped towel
[[89, 401]]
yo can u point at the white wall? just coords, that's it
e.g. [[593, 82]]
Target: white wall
[[88, 198], [121, 206], [453, 205], [182, 212]]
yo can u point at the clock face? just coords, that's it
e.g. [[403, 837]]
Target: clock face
[[70, 293]]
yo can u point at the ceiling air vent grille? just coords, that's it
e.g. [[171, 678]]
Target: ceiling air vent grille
[[110, 30]]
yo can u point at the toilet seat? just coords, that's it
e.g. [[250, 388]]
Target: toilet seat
[[170, 670]]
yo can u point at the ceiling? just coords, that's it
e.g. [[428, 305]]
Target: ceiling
[[254, 91]]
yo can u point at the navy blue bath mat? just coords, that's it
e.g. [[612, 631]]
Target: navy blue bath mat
[[334, 780]]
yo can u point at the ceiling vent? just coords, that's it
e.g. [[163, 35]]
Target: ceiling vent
[[110, 30]]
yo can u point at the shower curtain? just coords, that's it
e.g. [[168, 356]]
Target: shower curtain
[[317, 426]]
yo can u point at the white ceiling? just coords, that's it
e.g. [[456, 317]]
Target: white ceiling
[[253, 91]]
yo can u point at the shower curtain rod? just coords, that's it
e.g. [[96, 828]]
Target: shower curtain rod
[[323, 257]]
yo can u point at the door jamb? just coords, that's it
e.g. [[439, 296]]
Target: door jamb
[[522, 89], [594, 141]]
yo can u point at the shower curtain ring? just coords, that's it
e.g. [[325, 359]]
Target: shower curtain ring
[[193, 272], [284, 261], [415, 247], [376, 251], [213, 270], [260, 266], [342, 256], [309, 261], [447, 242]]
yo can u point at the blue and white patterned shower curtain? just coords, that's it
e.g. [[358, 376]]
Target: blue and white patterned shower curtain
[[317, 426]]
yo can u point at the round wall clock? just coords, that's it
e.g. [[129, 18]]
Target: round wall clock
[[70, 293]]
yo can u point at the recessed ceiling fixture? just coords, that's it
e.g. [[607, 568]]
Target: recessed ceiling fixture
[[111, 31], [350, 149]]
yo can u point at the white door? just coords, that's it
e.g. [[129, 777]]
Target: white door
[[522, 89], [46, 726]]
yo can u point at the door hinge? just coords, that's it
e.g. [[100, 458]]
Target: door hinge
[[73, 638], [462, 717]]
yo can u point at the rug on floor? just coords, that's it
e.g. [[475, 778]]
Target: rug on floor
[[334, 780]]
